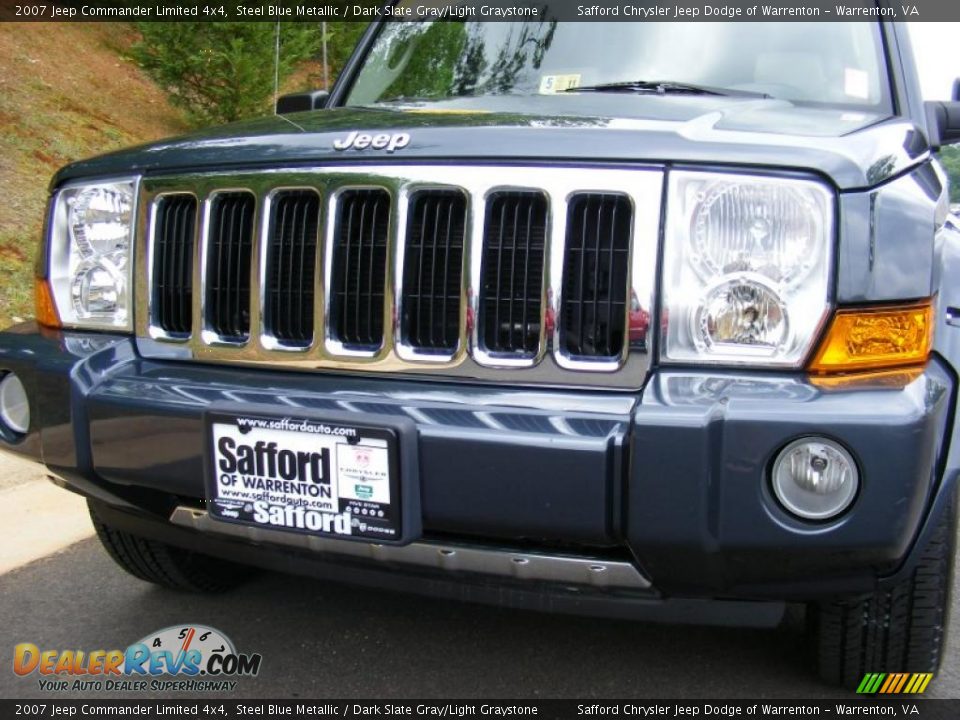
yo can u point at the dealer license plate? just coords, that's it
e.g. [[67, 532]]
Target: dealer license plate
[[303, 475]]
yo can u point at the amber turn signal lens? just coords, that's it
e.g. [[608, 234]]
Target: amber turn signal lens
[[896, 379], [876, 338], [46, 311]]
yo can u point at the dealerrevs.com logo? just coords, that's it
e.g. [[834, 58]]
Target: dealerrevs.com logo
[[189, 658]]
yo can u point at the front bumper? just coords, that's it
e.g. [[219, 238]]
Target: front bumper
[[672, 482]]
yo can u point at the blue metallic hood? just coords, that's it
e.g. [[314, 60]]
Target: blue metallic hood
[[853, 149]]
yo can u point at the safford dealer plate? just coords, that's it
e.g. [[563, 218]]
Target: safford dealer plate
[[303, 475]]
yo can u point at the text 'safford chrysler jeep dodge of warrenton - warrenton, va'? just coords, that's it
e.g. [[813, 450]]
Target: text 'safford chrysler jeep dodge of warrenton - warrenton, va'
[[551, 315]]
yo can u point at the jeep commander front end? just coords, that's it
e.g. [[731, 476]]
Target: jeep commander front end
[[555, 315]]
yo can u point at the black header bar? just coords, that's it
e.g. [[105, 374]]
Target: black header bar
[[225, 709], [479, 10]]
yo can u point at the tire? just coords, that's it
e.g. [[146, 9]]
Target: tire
[[901, 628], [161, 564]]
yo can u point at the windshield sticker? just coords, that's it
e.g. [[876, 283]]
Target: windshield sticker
[[856, 83], [553, 84]]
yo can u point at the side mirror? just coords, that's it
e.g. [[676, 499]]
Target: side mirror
[[302, 101], [943, 119]]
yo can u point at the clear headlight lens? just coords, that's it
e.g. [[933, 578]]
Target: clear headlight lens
[[746, 268], [740, 313], [90, 254], [751, 227]]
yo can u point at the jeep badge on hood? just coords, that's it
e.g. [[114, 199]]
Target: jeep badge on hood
[[362, 141]]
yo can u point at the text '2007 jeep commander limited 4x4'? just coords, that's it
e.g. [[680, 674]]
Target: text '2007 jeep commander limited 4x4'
[[552, 315]]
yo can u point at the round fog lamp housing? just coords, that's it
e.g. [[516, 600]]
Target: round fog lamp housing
[[14, 406], [815, 478]]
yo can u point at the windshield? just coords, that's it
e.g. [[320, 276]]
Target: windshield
[[820, 63]]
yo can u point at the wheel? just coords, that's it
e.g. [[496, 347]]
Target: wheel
[[162, 564], [898, 629]]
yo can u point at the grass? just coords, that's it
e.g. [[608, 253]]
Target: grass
[[16, 284], [67, 91]]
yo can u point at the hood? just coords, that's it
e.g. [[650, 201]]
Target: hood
[[853, 149]]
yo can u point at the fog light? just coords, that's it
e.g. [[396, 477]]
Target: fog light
[[815, 478], [14, 407]]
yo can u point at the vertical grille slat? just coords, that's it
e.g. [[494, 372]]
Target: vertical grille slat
[[173, 244], [420, 256], [430, 297], [274, 314], [186, 218], [307, 241], [172, 260], [595, 276], [241, 292], [513, 293], [227, 301], [359, 269], [433, 275], [452, 256], [371, 261], [290, 273], [229, 317], [526, 275]]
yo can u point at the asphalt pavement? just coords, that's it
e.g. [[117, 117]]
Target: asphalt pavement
[[321, 640]]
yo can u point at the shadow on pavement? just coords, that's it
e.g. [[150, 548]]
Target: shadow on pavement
[[326, 641]]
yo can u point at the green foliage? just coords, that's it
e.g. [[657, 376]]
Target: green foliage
[[416, 61], [435, 52], [950, 158], [342, 38], [221, 72]]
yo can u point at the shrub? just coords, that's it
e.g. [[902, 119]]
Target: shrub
[[221, 71], [950, 157]]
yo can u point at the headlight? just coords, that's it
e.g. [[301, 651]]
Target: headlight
[[746, 268], [91, 244]]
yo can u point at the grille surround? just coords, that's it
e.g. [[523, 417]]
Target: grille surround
[[214, 329], [406, 347], [335, 342], [578, 270], [269, 336], [160, 326], [642, 184], [498, 220]]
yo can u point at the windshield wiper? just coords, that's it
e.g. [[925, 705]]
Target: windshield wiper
[[665, 87]]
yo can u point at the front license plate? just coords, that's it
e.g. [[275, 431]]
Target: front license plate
[[304, 475]]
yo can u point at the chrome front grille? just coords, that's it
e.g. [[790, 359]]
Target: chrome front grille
[[174, 230], [290, 261], [509, 274], [433, 272], [226, 268], [357, 277], [595, 276]]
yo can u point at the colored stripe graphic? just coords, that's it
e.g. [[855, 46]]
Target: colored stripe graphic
[[903, 681], [870, 683], [891, 680], [903, 677], [894, 683]]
